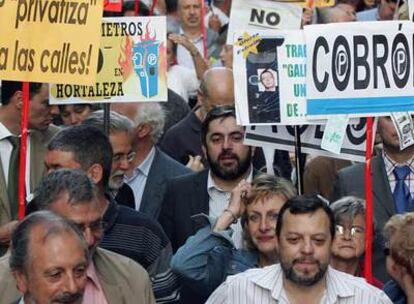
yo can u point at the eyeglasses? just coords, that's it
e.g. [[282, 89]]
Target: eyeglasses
[[355, 231], [96, 226], [121, 157]]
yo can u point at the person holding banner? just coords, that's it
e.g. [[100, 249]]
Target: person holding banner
[[41, 131], [209, 256], [392, 184], [189, 12]]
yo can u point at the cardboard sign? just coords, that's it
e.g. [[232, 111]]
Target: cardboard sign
[[262, 14], [132, 64], [283, 138], [49, 40], [270, 77], [367, 73]]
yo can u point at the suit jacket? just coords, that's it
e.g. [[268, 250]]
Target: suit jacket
[[162, 168], [38, 148], [184, 197], [351, 181], [123, 281]]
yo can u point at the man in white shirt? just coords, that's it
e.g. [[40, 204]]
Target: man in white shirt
[[305, 230]]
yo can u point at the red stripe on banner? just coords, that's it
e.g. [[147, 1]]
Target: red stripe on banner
[[136, 8], [203, 28], [154, 5], [369, 204], [23, 152], [113, 6]]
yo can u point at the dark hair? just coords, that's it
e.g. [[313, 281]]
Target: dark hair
[[171, 6], [53, 224], [303, 204], [8, 88], [71, 182], [89, 146], [217, 112]]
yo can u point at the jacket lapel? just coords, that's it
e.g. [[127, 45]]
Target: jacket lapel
[[5, 213], [381, 187], [199, 199]]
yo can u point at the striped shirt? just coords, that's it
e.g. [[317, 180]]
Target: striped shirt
[[389, 168], [265, 286]]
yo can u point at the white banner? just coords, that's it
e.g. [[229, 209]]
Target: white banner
[[283, 138], [260, 14], [360, 72]]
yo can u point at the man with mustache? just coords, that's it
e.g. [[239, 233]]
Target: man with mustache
[[49, 258], [208, 191], [305, 230]]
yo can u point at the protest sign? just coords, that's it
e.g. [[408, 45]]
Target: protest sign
[[267, 92], [410, 4], [132, 64], [260, 14], [113, 5], [282, 138], [367, 73], [49, 40]]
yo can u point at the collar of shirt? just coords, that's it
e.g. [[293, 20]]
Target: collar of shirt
[[390, 164], [144, 167], [271, 278], [195, 40], [4, 132], [212, 185], [93, 277]]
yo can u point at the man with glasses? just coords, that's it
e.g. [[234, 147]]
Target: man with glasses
[[127, 232], [151, 167], [71, 194]]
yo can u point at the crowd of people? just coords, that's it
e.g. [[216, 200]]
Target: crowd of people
[[164, 203]]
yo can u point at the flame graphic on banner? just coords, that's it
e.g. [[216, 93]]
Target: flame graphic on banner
[[125, 58]]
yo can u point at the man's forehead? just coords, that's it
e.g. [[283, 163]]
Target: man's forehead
[[224, 125], [306, 223]]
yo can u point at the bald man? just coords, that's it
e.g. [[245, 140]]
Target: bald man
[[182, 142]]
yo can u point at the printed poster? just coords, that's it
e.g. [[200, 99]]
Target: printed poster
[[131, 67]]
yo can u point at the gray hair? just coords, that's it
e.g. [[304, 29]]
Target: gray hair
[[78, 187], [153, 114], [117, 122], [348, 207], [53, 225]]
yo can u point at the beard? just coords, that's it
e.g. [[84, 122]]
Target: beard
[[303, 279], [242, 165], [115, 181]]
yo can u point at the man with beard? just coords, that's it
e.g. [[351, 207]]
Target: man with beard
[[305, 230], [49, 258], [392, 186], [208, 191]]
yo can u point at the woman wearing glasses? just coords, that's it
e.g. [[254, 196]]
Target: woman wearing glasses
[[349, 244], [208, 257]]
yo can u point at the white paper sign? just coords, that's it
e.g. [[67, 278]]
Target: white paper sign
[[360, 69], [283, 138], [334, 134], [262, 14]]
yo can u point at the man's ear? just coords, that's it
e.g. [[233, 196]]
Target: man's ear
[[21, 281], [95, 172], [17, 99], [143, 130]]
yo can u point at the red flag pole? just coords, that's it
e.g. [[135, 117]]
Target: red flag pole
[[203, 29], [23, 152], [136, 7], [154, 5], [369, 204]]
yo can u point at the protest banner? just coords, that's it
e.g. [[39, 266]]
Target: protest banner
[[410, 4], [49, 40], [132, 64], [267, 92], [262, 14], [367, 73], [283, 138]]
